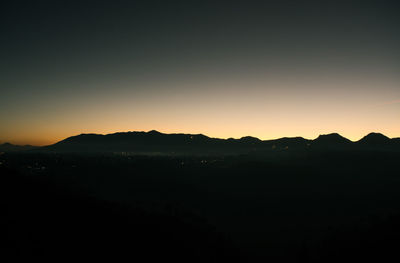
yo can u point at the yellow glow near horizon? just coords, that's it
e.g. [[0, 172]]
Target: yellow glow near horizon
[[263, 70], [223, 110]]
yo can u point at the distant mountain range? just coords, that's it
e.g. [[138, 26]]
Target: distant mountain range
[[154, 142], [8, 147]]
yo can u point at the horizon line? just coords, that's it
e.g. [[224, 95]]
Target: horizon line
[[183, 133]]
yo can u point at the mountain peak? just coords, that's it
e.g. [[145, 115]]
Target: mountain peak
[[157, 142], [250, 139], [154, 132], [375, 138], [335, 138]]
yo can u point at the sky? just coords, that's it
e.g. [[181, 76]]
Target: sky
[[266, 69]]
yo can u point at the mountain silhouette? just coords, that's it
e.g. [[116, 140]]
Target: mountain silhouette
[[289, 142], [8, 147], [374, 139], [154, 142], [250, 139], [142, 142], [332, 138]]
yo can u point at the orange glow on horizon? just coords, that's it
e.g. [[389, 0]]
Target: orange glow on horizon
[[48, 140], [307, 111]]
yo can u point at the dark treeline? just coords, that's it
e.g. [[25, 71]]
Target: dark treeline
[[316, 205]]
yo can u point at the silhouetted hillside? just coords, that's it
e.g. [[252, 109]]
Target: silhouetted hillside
[[46, 221], [333, 139], [295, 142], [156, 143], [314, 205], [8, 147], [139, 142], [375, 139]]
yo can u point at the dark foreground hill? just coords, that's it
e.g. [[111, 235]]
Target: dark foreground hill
[[317, 206], [46, 221], [154, 142]]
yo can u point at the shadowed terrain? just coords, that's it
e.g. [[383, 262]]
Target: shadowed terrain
[[268, 69], [154, 142], [211, 200]]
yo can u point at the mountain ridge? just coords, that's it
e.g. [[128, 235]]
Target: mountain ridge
[[185, 143], [170, 143], [9, 147], [375, 138]]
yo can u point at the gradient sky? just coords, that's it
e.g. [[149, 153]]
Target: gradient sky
[[225, 69]]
